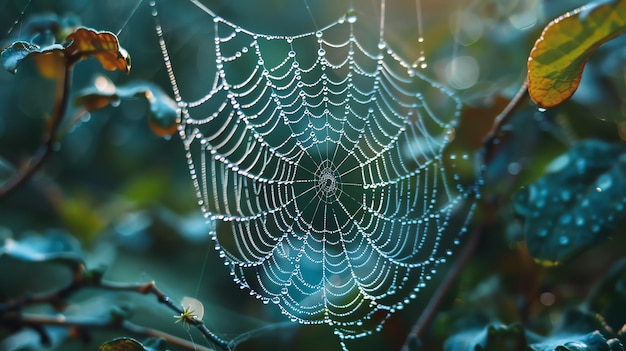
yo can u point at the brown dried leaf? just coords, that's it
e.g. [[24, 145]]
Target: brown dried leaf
[[102, 45]]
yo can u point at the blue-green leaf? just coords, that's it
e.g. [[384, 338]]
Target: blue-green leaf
[[515, 337], [122, 344], [16, 53], [577, 203], [55, 247], [491, 338], [130, 344], [163, 109]]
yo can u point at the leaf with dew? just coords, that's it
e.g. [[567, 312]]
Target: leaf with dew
[[557, 60], [595, 325], [101, 45], [577, 203], [53, 247], [80, 44], [163, 110], [16, 53], [123, 344]]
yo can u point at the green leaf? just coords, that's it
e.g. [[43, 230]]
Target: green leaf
[[122, 344], [584, 342], [577, 203], [53, 247], [163, 110], [155, 344], [16, 53], [492, 337], [130, 344], [496, 337], [557, 60]]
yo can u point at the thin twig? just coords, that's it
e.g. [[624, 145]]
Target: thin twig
[[431, 309], [429, 312], [505, 115], [35, 320], [50, 139], [81, 280]]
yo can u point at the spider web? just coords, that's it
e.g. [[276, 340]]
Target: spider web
[[322, 157]]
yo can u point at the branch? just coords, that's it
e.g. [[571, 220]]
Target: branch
[[35, 321], [83, 279], [491, 139], [494, 133], [431, 309], [48, 144]]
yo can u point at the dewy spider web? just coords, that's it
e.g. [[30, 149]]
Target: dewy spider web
[[322, 159]]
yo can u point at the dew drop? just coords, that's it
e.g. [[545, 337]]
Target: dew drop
[[605, 182], [580, 221], [351, 16], [321, 52], [563, 240], [514, 168]]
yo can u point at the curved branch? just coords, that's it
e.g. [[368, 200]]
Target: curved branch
[[48, 144], [431, 309], [82, 279], [35, 320], [520, 97]]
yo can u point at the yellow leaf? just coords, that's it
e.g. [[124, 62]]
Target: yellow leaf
[[556, 62]]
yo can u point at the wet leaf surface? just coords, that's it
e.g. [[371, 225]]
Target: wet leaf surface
[[130, 344], [557, 60], [53, 247], [163, 110], [17, 52], [596, 325], [78, 45], [101, 45], [577, 203], [123, 344]]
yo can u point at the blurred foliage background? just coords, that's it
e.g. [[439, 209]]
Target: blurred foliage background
[[125, 193]]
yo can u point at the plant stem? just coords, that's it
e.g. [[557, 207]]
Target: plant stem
[[81, 280], [34, 320], [431, 309], [505, 115], [48, 145]]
